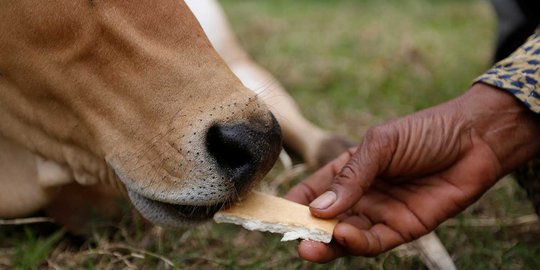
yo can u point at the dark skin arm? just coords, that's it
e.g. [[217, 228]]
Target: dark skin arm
[[408, 176]]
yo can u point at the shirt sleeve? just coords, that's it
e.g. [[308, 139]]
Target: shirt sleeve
[[519, 74]]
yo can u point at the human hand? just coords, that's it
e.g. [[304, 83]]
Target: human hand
[[409, 175]]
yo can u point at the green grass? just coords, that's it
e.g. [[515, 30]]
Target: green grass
[[350, 65], [373, 60], [32, 251]]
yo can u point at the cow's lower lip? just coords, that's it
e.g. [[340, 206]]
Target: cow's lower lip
[[195, 212], [184, 213]]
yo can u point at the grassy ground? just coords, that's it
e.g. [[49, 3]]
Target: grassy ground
[[350, 65]]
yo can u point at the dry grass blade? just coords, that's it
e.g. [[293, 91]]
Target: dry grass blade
[[137, 251], [290, 174], [24, 221], [115, 251], [285, 159], [493, 222]]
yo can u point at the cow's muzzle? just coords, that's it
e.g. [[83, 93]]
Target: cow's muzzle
[[238, 155], [244, 151]]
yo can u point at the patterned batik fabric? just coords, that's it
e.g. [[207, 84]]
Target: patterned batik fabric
[[519, 73]]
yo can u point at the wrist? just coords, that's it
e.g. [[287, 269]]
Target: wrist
[[504, 123]]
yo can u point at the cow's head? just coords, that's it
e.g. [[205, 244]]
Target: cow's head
[[132, 90]]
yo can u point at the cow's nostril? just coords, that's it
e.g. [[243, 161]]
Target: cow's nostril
[[244, 151], [229, 149]]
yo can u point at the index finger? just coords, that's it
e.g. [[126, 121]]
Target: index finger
[[310, 188]]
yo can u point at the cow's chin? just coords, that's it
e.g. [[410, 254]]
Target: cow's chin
[[173, 215]]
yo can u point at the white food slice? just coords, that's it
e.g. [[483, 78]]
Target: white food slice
[[263, 212]]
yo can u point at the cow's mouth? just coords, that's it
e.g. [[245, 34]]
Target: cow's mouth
[[169, 214]]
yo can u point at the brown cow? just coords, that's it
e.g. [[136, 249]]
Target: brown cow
[[131, 94]]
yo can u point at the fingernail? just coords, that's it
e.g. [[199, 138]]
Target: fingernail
[[324, 201]]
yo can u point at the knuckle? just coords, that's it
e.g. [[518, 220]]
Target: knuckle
[[381, 136], [379, 146], [349, 179], [351, 150], [348, 174]]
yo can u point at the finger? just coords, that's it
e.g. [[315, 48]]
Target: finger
[[378, 239], [392, 218], [372, 157], [358, 221], [318, 182], [400, 209], [319, 252]]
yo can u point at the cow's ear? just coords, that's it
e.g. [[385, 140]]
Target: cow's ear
[[52, 174]]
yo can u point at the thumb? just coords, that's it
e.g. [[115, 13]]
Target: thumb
[[370, 160]]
